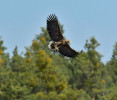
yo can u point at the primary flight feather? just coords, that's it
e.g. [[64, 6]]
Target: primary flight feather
[[53, 28]]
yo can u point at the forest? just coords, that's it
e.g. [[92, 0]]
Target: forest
[[42, 74]]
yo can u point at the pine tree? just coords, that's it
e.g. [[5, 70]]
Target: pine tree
[[4, 57], [112, 65], [96, 80], [88, 72], [4, 70], [16, 61], [48, 71]]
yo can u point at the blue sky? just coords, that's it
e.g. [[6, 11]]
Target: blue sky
[[20, 20]]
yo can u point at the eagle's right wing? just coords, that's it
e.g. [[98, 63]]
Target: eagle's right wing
[[66, 50], [53, 28]]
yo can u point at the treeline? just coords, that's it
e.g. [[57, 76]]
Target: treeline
[[41, 74]]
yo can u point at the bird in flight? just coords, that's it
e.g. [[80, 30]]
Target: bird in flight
[[59, 43]]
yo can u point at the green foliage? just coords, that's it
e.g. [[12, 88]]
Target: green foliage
[[112, 65], [42, 74]]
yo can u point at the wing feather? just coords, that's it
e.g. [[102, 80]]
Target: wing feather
[[53, 28], [66, 50]]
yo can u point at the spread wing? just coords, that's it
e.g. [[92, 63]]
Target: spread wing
[[53, 28], [66, 50]]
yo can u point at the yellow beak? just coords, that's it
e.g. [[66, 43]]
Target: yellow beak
[[70, 42]]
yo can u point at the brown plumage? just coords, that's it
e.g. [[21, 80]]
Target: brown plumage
[[58, 43]]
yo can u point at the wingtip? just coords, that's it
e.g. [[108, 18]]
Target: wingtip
[[77, 54], [51, 17]]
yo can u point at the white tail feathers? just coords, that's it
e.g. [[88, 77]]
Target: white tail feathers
[[51, 45]]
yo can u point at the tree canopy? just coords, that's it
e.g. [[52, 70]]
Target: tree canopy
[[41, 74]]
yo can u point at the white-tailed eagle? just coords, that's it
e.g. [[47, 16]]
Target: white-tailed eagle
[[58, 43]]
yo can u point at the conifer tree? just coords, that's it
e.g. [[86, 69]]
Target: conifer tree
[[16, 61], [4, 57], [88, 72], [112, 65], [4, 70], [97, 76]]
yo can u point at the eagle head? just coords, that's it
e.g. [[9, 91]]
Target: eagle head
[[68, 42]]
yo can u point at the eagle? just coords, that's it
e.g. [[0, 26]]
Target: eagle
[[59, 43]]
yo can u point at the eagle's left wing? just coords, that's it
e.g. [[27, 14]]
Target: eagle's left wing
[[53, 28], [66, 50]]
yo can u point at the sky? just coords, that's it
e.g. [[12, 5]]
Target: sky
[[21, 20]]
